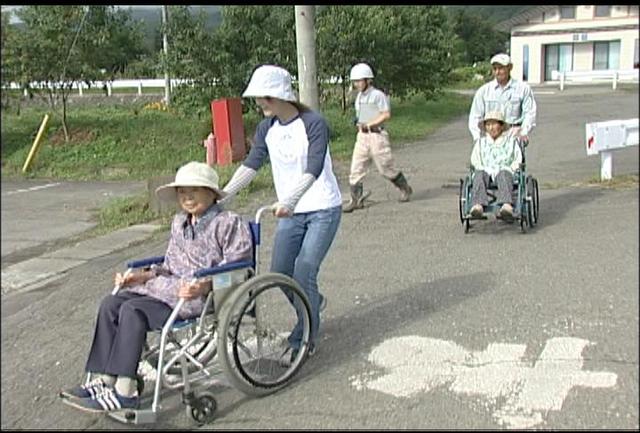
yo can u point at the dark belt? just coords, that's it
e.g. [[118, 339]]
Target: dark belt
[[516, 124], [376, 129]]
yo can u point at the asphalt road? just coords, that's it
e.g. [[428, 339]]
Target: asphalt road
[[426, 327], [39, 215]]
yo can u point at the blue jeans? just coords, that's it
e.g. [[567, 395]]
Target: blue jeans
[[301, 244]]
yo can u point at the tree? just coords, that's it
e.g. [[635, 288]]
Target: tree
[[253, 35], [219, 62], [344, 36], [10, 65], [479, 39], [61, 45], [411, 55]]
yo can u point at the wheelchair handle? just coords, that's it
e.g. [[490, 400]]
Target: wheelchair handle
[[263, 209]]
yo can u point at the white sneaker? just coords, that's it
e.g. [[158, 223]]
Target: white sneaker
[[477, 211], [506, 212]]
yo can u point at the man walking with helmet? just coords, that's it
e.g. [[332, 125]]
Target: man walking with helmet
[[372, 139]]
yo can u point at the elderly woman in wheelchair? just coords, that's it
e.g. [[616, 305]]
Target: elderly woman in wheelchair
[[497, 180], [202, 235], [495, 157]]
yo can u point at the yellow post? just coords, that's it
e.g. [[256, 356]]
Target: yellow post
[[36, 144]]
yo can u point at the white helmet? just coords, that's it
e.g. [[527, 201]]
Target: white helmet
[[361, 71], [272, 81]]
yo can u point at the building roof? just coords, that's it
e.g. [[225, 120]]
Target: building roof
[[522, 17]]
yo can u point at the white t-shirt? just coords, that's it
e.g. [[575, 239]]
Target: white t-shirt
[[297, 147]]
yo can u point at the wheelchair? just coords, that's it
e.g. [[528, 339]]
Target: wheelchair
[[525, 195], [244, 327]]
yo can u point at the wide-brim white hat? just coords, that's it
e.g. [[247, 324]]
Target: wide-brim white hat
[[270, 81], [192, 174]]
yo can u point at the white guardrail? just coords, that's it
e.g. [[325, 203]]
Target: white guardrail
[[605, 137], [613, 75], [109, 85], [155, 83]]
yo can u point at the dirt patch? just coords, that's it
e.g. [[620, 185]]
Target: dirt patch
[[76, 136]]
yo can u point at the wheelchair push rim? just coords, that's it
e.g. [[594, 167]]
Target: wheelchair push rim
[[257, 320]]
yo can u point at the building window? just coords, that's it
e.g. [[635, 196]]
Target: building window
[[558, 57], [606, 55], [567, 12], [603, 11]]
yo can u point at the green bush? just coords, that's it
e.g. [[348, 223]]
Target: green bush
[[466, 74]]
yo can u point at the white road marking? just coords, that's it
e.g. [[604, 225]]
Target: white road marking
[[520, 394], [33, 188]]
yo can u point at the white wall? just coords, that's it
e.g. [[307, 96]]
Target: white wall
[[583, 49]]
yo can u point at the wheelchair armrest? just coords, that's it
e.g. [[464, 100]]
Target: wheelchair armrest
[[143, 263], [205, 272]]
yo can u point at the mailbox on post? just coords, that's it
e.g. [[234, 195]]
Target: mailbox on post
[[604, 137], [227, 143]]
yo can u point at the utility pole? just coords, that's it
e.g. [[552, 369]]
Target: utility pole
[[165, 47], [306, 48]]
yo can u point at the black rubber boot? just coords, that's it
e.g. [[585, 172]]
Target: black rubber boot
[[357, 198], [401, 183]]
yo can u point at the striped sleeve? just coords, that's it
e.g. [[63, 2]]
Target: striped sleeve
[[292, 200], [240, 179]]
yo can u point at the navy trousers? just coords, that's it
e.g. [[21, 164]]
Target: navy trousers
[[121, 330]]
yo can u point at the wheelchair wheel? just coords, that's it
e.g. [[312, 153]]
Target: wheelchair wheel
[[255, 323], [463, 197], [536, 200], [531, 199], [203, 409], [460, 201], [204, 350]]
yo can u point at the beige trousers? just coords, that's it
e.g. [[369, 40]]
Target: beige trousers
[[376, 147]]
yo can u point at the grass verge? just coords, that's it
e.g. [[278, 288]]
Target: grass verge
[[137, 141]]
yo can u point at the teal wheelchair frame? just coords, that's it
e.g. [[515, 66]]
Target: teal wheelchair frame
[[525, 192]]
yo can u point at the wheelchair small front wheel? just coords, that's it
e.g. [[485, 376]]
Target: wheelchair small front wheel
[[525, 221], [203, 409], [256, 323]]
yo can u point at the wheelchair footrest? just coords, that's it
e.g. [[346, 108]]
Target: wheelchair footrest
[[134, 416]]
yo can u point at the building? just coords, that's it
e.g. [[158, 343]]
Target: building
[[572, 38]]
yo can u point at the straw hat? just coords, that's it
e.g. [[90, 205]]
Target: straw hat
[[192, 174], [494, 115]]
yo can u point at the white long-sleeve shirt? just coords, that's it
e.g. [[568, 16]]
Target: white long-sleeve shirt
[[515, 100]]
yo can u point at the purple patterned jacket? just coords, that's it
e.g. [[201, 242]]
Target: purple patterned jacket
[[218, 237]]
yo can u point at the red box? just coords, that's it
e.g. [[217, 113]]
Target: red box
[[228, 130]]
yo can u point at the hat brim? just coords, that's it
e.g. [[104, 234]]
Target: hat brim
[[168, 192]]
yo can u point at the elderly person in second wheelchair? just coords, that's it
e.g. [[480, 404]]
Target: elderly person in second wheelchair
[[496, 155], [202, 235]]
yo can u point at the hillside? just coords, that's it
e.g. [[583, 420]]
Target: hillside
[[151, 18], [494, 13]]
